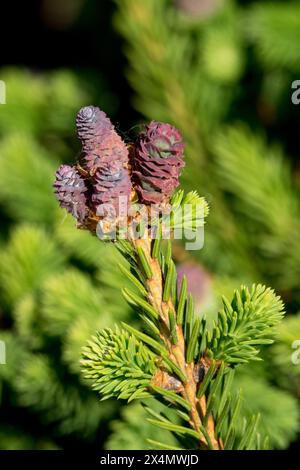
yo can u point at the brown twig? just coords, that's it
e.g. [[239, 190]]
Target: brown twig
[[177, 351]]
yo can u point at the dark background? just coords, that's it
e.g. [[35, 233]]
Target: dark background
[[40, 36]]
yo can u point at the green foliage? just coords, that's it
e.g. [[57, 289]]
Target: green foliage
[[25, 95], [258, 176], [223, 58], [179, 72], [245, 323], [274, 28], [28, 259], [26, 315], [119, 365], [189, 211], [122, 365], [39, 104], [226, 407], [40, 387], [197, 73], [278, 409], [285, 354], [52, 290], [261, 184], [14, 438], [26, 179], [128, 434], [81, 245], [16, 354], [68, 296], [253, 231]]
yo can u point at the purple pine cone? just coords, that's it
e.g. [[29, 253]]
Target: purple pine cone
[[70, 190], [158, 159], [199, 283], [100, 141], [105, 157], [198, 8], [112, 185]]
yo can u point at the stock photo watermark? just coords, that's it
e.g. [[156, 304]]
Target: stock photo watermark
[[296, 94], [2, 92], [295, 356], [2, 353], [179, 222]]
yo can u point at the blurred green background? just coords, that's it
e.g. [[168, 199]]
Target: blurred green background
[[222, 72]]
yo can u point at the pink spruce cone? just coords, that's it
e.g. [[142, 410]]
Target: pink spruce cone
[[199, 284], [105, 157], [112, 186], [71, 192], [198, 8], [158, 159], [100, 141]]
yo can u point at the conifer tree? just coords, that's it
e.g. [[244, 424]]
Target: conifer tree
[[201, 66], [176, 358]]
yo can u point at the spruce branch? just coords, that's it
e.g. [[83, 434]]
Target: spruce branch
[[245, 323], [119, 364], [172, 334], [177, 358]]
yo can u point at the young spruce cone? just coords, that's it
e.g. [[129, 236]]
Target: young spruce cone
[[198, 8], [199, 284], [157, 162], [112, 182], [100, 141], [105, 157], [71, 192]]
